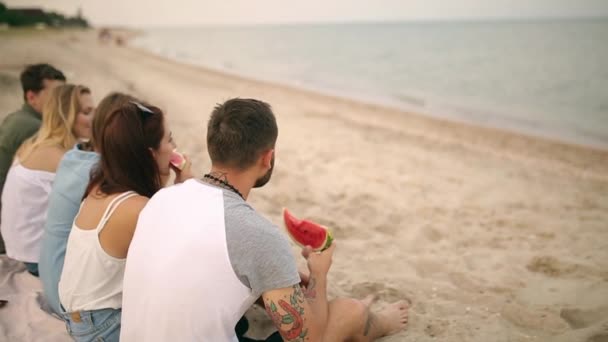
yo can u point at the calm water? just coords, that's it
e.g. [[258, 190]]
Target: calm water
[[547, 78]]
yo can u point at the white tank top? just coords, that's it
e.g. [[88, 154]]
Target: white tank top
[[91, 278], [25, 200]]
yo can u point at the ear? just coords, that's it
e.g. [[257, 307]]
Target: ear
[[267, 159], [153, 152], [30, 97]]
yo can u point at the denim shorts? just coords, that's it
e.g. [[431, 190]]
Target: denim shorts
[[93, 326]]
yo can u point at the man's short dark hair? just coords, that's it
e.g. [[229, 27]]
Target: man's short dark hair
[[33, 76], [239, 130]]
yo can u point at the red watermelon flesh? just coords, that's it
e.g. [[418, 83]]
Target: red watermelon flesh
[[307, 233], [178, 160]]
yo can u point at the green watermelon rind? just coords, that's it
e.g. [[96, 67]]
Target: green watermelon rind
[[328, 240]]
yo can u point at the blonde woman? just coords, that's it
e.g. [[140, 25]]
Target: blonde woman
[[66, 118]]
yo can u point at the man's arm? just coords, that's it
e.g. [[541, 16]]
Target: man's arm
[[13, 137], [301, 314], [293, 315], [7, 153], [5, 164]]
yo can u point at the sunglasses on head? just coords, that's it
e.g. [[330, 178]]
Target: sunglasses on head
[[144, 111]]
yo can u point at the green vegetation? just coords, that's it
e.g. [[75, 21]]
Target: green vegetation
[[19, 17]]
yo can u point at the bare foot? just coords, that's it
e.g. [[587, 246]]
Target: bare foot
[[369, 300], [393, 318]]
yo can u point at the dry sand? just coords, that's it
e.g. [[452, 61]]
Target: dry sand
[[493, 236]]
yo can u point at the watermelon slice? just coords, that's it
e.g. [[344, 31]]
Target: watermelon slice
[[307, 233], [178, 160]]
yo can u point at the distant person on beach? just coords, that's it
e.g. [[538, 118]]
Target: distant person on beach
[[36, 81], [71, 180], [120, 41], [219, 255], [66, 118], [135, 146], [105, 36]]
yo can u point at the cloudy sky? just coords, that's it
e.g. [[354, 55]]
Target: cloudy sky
[[148, 13]]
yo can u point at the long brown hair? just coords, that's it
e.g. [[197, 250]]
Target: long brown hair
[[107, 106], [126, 162]]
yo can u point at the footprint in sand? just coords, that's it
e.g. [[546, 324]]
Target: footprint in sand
[[382, 291], [465, 282], [550, 266], [436, 328], [433, 234], [426, 267], [578, 319], [390, 225], [524, 317], [602, 337], [553, 267]]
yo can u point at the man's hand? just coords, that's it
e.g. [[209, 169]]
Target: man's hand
[[319, 262], [304, 279]]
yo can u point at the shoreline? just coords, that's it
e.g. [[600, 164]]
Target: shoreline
[[479, 113], [471, 133]]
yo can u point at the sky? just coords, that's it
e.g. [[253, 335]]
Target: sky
[[166, 13]]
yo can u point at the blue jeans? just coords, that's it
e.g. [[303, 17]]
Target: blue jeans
[[94, 326]]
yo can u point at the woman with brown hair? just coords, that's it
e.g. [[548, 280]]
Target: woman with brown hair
[[71, 180], [66, 118], [135, 147]]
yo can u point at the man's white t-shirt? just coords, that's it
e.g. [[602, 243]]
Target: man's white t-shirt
[[200, 257]]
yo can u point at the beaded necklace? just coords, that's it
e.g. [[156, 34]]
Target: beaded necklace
[[224, 183]]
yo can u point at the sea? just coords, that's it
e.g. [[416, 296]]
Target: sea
[[546, 78]]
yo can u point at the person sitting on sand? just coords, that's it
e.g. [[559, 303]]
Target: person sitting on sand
[[66, 118], [237, 254], [135, 147], [37, 81], [71, 180]]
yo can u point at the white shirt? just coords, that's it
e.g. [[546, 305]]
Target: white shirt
[[25, 201]]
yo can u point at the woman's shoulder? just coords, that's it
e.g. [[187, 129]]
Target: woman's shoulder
[[43, 158], [50, 150], [130, 208], [136, 202]]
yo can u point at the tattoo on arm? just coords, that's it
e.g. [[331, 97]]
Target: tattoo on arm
[[310, 291], [287, 317]]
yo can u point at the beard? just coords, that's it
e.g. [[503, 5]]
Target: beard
[[260, 182]]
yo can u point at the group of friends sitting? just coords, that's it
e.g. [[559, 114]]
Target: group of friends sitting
[[122, 255]]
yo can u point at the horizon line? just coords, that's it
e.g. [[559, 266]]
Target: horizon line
[[504, 19]]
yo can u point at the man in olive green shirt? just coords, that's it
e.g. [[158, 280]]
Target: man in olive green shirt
[[36, 80]]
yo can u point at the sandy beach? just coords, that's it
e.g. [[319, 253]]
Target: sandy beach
[[493, 236]]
